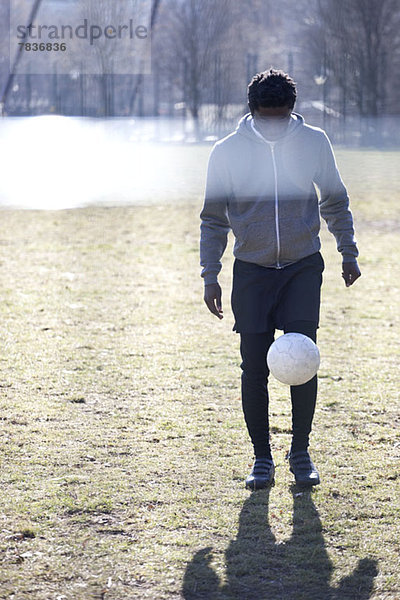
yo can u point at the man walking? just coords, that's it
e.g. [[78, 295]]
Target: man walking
[[260, 184]]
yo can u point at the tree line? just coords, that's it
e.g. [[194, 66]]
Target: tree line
[[343, 54]]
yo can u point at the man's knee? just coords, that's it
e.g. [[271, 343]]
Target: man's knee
[[255, 371], [253, 349], [308, 328]]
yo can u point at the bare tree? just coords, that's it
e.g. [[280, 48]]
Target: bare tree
[[197, 28], [138, 87], [359, 39], [32, 14], [99, 11]]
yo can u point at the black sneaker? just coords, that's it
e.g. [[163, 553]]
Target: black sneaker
[[262, 474], [303, 468]]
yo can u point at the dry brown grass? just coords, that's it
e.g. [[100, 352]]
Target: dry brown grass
[[123, 443]]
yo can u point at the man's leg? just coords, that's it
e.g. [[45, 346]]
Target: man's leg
[[253, 349], [300, 313], [303, 396], [303, 406]]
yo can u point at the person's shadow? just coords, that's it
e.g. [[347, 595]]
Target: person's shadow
[[258, 568]]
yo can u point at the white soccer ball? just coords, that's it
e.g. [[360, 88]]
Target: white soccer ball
[[293, 358]]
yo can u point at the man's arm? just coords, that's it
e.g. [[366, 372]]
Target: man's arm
[[334, 208], [214, 229]]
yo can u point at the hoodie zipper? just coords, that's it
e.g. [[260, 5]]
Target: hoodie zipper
[[278, 240]]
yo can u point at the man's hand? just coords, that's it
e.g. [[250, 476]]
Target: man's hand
[[350, 272], [212, 297]]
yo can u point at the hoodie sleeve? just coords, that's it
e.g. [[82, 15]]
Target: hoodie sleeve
[[215, 224], [334, 202]]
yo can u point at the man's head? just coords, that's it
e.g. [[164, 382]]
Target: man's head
[[271, 89], [271, 97]]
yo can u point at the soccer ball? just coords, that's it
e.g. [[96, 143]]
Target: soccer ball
[[293, 358]]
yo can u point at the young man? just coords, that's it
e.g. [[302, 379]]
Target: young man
[[260, 184]]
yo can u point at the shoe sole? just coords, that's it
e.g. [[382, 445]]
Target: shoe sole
[[254, 487], [305, 483]]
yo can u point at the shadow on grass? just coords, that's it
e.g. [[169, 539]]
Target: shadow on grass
[[259, 568]]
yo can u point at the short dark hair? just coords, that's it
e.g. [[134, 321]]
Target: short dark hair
[[271, 88]]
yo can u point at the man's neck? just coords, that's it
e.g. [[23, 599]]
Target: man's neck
[[269, 137]]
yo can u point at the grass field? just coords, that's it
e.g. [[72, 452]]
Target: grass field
[[123, 445]]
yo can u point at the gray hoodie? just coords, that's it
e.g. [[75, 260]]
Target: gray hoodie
[[265, 192]]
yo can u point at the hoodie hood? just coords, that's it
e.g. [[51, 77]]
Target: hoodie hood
[[246, 123]]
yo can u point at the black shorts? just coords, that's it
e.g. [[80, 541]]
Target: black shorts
[[265, 298]]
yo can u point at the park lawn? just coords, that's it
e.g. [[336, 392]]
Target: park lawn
[[123, 445]]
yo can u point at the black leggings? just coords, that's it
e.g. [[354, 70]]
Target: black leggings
[[253, 349]]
